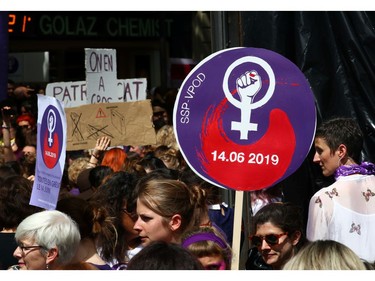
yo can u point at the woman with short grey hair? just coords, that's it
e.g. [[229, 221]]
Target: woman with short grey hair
[[46, 240]]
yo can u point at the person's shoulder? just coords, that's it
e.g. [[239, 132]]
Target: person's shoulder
[[321, 195], [322, 191]]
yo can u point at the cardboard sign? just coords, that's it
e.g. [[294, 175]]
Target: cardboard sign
[[126, 123], [245, 118]]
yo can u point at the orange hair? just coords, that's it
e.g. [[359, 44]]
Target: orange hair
[[115, 158], [26, 117]]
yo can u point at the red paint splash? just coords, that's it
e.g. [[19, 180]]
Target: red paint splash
[[279, 141], [51, 154]]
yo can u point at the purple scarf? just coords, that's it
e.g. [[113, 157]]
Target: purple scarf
[[366, 168]]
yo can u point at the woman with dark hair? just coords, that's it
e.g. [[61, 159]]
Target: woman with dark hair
[[161, 255], [92, 222], [279, 233], [90, 179], [15, 193], [11, 168], [345, 210], [150, 163], [116, 194]]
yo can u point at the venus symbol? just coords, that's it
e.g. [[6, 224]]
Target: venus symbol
[[51, 117], [248, 84]]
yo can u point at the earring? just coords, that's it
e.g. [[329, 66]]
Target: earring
[[47, 266]]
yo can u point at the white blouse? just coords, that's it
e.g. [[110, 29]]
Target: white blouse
[[345, 212]]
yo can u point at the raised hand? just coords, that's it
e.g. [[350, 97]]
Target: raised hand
[[248, 85], [102, 144]]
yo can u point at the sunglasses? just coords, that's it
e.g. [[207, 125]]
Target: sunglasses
[[271, 239]]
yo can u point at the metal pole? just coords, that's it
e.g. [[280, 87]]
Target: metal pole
[[218, 31]]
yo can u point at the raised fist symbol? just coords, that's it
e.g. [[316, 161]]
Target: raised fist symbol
[[248, 85]]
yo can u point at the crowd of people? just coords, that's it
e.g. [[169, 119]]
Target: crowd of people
[[143, 208]]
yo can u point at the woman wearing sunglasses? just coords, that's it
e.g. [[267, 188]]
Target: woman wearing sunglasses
[[279, 233]]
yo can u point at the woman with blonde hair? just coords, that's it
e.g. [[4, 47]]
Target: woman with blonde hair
[[325, 255], [165, 136], [165, 209], [171, 157]]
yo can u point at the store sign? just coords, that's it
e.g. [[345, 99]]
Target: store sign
[[92, 24]]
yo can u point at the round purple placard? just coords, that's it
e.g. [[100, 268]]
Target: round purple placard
[[51, 136], [245, 118]]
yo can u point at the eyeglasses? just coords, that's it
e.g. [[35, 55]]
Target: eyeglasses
[[26, 248], [133, 215], [24, 126], [271, 239]]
